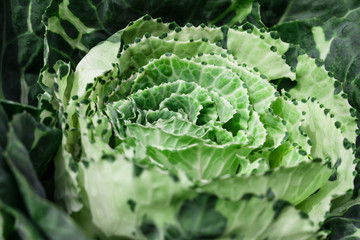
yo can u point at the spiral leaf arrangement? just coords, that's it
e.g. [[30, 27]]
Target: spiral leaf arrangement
[[181, 133]]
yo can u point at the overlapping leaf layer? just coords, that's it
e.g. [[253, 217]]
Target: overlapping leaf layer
[[179, 133]]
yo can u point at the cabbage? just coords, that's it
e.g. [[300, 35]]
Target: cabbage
[[176, 132], [239, 120]]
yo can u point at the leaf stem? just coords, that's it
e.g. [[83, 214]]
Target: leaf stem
[[24, 88], [283, 17]]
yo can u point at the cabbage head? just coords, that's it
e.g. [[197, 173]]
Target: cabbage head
[[200, 132]]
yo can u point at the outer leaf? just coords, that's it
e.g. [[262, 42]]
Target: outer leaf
[[255, 218], [329, 31], [21, 49], [303, 180], [40, 211]]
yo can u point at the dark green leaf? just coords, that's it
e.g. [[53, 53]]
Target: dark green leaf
[[199, 219]]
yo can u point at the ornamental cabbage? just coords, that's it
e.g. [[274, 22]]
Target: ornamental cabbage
[[200, 132]]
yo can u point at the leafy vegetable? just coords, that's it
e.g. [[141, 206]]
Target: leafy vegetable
[[239, 128]]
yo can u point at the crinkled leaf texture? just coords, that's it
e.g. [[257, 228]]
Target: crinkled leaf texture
[[176, 132]]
